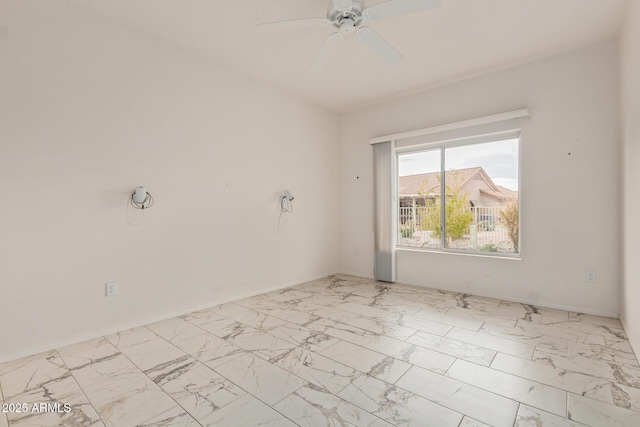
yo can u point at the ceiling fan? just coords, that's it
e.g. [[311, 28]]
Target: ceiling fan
[[347, 16]]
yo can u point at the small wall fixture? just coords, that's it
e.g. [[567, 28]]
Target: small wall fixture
[[286, 206], [141, 199], [286, 200]]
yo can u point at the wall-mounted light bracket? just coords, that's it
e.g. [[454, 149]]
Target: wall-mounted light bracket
[[286, 200], [141, 199]]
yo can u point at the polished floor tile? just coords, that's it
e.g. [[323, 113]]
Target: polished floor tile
[[316, 369], [247, 411], [3, 416], [522, 390], [340, 351], [592, 412], [262, 379], [533, 417], [461, 397], [571, 381], [397, 406], [311, 406], [457, 349], [29, 383]]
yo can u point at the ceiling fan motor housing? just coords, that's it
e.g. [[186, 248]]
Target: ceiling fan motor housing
[[346, 21]]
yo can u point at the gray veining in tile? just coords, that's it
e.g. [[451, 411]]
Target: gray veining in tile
[[418, 324], [595, 413], [364, 310], [304, 337], [311, 406], [524, 334], [175, 329], [470, 422], [259, 320], [596, 320], [549, 330], [155, 356], [31, 373], [228, 310], [575, 382], [625, 396], [267, 382], [43, 379], [341, 351], [503, 345], [317, 369], [454, 348], [209, 349], [448, 319], [247, 411], [200, 390], [380, 327], [397, 406], [596, 352], [460, 397], [3, 417], [534, 417], [626, 375], [175, 417], [412, 353], [119, 391], [370, 362], [576, 324], [262, 344], [343, 331], [513, 387]]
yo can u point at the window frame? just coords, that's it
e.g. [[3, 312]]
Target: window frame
[[442, 145]]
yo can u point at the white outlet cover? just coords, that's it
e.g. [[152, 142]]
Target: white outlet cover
[[590, 276], [111, 289]]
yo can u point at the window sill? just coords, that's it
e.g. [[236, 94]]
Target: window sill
[[505, 256]]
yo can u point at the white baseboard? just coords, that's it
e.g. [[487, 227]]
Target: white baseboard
[[529, 302], [506, 298], [349, 273], [635, 346], [108, 331]]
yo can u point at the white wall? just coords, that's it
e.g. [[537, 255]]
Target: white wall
[[630, 97], [570, 203], [88, 111]]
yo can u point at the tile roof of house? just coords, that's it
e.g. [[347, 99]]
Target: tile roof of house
[[429, 183]]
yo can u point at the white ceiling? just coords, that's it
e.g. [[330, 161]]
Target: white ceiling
[[461, 39]]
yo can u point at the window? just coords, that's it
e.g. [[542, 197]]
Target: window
[[479, 212]]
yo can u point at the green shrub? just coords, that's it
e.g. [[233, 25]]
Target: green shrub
[[509, 215], [490, 247], [457, 216]]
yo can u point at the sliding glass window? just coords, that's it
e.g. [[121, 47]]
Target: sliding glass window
[[479, 212]]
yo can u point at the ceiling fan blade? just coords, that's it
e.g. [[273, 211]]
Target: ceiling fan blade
[[293, 24], [343, 5], [398, 7], [325, 51], [379, 45]]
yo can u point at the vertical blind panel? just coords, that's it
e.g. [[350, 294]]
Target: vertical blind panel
[[385, 220]]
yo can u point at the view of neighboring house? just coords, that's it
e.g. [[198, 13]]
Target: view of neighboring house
[[416, 190]]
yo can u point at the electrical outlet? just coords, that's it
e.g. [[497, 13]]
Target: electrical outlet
[[590, 276], [111, 289]]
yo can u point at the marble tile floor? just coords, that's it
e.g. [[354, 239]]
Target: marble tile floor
[[340, 351]]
